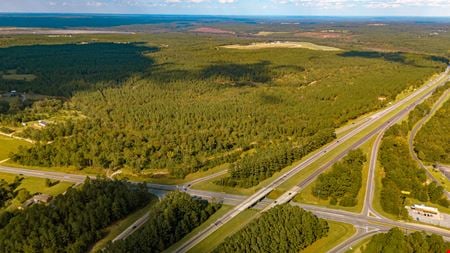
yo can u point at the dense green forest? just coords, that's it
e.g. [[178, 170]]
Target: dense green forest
[[239, 107], [71, 222], [403, 174], [432, 142], [396, 241], [422, 109], [343, 182], [171, 219], [284, 228], [60, 70]]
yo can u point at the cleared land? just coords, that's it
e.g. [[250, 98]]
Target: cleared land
[[283, 44], [34, 185], [9, 145]]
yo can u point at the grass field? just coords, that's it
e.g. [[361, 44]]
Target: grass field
[[34, 185], [224, 209], [231, 227], [338, 233], [118, 227], [8, 145], [360, 246], [284, 44]]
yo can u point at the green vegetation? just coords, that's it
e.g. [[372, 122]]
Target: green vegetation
[[403, 174], [9, 145], [337, 233], [432, 142], [73, 221], [180, 116], [396, 241], [343, 183], [13, 186], [170, 220], [62, 69], [284, 228], [218, 214], [228, 229]]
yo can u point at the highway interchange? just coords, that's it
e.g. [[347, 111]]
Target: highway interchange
[[368, 221]]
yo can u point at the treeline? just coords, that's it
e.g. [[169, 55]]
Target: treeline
[[192, 115], [263, 163], [343, 182], [71, 222], [170, 220], [284, 228], [432, 142], [61, 70], [424, 108], [397, 241], [403, 174], [7, 191], [17, 110]]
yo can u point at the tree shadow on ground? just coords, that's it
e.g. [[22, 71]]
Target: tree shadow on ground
[[238, 74]]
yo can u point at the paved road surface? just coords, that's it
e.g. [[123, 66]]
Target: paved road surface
[[416, 129]]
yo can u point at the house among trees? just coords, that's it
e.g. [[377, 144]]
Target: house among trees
[[39, 198], [42, 123]]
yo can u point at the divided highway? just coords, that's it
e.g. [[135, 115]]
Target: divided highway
[[258, 199], [252, 200]]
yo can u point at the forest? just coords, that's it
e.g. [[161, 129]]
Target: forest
[[61, 70], [343, 182], [72, 222], [284, 228], [396, 240], [432, 142], [228, 106], [403, 174], [171, 219], [7, 191]]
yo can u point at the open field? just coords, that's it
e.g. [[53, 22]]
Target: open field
[[338, 233], [212, 241], [9, 145], [282, 44], [360, 246], [34, 185]]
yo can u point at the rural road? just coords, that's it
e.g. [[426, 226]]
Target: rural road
[[416, 129]]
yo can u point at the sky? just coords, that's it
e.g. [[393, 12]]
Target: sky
[[237, 7]]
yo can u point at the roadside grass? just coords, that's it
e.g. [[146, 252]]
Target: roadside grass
[[9, 145], [118, 227], [219, 213], [34, 185], [69, 170], [379, 174], [228, 229], [360, 246], [306, 196], [338, 233], [442, 179], [171, 180]]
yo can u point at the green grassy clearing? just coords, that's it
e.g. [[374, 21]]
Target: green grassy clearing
[[118, 227], [171, 180], [9, 145], [360, 246], [442, 179], [338, 233], [231, 227], [34, 185], [219, 213]]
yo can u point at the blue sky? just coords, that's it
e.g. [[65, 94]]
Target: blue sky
[[237, 7]]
